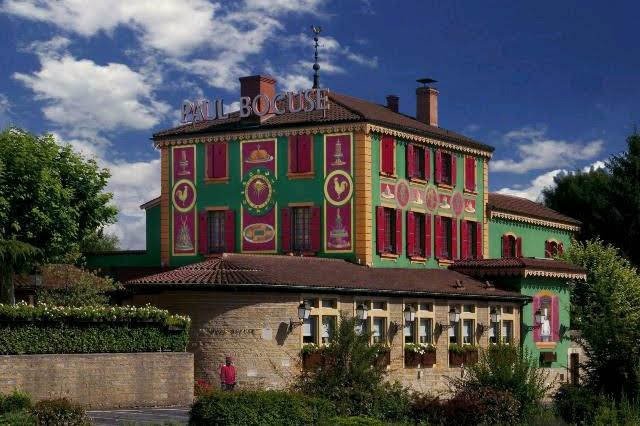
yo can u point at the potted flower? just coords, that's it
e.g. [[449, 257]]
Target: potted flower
[[411, 355], [428, 356], [456, 355], [470, 354], [383, 355], [311, 356]]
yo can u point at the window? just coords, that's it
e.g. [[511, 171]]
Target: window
[[377, 322], [511, 246], [323, 320], [416, 233], [468, 331], [445, 168], [379, 305], [300, 154], [445, 176], [454, 333], [329, 323], [425, 330], [418, 162], [503, 329], [425, 307], [471, 235], [494, 332], [378, 330], [301, 229], [464, 331], [421, 330], [470, 174], [310, 330], [469, 308], [217, 160], [387, 155], [409, 335], [389, 230], [445, 235], [329, 303], [553, 248], [507, 332], [216, 231]]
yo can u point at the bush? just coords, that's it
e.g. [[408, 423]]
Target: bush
[[43, 329], [18, 418], [576, 404], [426, 409], [352, 421], [60, 412], [15, 401], [259, 408], [482, 406]]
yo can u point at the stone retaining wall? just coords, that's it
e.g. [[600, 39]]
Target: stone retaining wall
[[102, 380]]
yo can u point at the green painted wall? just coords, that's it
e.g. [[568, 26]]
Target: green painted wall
[[286, 190], [533, 237], [401, 146], [134, 258]]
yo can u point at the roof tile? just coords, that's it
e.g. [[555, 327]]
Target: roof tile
[[522, 206]]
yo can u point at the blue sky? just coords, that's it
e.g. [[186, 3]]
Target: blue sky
[[552, 85]]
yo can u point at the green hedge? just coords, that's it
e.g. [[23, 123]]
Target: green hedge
[[46, 329], [260, 408]]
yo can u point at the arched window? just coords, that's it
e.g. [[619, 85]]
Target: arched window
[[553, 248], [511, 246]]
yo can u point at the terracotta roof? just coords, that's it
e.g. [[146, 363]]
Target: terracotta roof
[[523, 266], [318, 274], [522, 206], [342, 108]]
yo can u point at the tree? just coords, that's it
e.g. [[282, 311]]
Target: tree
[[606, 310], [51, 199], [606, 201], [99, 241]]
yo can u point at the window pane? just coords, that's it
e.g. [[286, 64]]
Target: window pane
[[328, 328], [447, 238], [216, 231], [379, 305], [425, 330], [419, 233], [428, 307], [507, 331], [408, 332], [493, 332], [390, 230], [453, 332], [507, 309], [311, 302], [446, 168], [469, 308], [301, 229], [467, 332], [378, 330], [361, 327], [309, 332], [329, 303]]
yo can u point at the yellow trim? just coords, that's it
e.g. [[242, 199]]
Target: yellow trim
[[362, 228], [165, 209], [275, 154]]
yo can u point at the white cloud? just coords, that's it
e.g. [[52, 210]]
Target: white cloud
[[534, 190], [285, 6], [536, 151], [594, 166]]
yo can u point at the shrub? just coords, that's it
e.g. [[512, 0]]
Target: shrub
[[576, 404], [259, 408], [15, 401], [478, 406], [18, 418], [426, 409], [391, 402], [42, 329], [353, 421], [60, 412]]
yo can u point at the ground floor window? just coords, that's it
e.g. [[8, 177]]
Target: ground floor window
[[301, 229], [216, 225]]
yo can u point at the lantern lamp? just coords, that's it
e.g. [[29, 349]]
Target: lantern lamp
[[495, 315], [454, 315], [409, 313], [362, 312]]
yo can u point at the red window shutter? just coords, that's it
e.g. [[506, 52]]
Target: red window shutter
[[229, 231], [220, 160], [411, 234], [285, 229], [505, 246], [293, 154], [203, 243], [410, 162], [470, 173], [387, 155], [454, 170], [398, 231], [439, 236], [427, 236], [518, 247], [454, 239], [438, 176], [472, 169], [560, 249], [304, 153], [479, 244], [315, 229], [536, 327], [210, 156], [555, 319], [380, 226], [464, 237], [427, 163]]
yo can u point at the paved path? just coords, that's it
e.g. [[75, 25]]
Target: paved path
[[141, 416]]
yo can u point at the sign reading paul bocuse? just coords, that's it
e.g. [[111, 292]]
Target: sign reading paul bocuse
[[260, 105]]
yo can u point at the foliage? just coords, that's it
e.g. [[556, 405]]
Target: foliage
[[461, 349], [15, 256], [606, 310], [202, 387], [580, 405], [482, 405], [15, 401], [310, 348], [505, 368], [99, 242], [352, 421], [27, 329], [607, 202], [259, 408], [18, 418], [419, 348], [60, 412]]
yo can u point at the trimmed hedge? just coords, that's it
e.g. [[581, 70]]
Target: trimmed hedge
[[260, 408], [46, 329]]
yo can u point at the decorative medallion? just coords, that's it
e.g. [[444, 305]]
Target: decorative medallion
[[403, 193], [258, 191], [184, 195], [338, 187], [432, 198], [457, 204], [258, 233]]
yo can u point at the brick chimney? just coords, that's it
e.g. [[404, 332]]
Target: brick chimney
[[255, 85], [427, 105], [393, 102]]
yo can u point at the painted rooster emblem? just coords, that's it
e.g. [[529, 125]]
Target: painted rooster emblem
[[183, 193], [339, 187]]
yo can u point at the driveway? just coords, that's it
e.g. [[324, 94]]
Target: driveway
[[140, 416]]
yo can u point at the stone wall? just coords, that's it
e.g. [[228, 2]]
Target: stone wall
[[253, 327], [102, 380]]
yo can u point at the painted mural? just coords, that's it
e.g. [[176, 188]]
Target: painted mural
[[183, 201], [338, 193], [259, 174]]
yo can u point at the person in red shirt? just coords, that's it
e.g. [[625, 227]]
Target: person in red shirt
[[228, 375]]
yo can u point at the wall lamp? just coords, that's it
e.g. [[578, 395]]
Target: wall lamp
[[454, 318], [362, 312], [304, 309], [409, 315]]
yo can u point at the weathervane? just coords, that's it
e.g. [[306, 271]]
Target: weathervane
[[316, 66]]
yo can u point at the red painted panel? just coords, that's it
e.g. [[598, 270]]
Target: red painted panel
[[380, 226], [411, 234], [479, 244], [315, 229], [304, 153], [293, 154], [229, 231], [438, 177], [464, 246], [555, 319], [518, 247], [203, 243], [210, 160], [454, 170], [427, 163], [534, 309], [439, 236], [220, 160]]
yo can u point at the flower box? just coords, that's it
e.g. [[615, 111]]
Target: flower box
[[456, 359], [411, 359], [428, 359], [311, 360], [383, 359]]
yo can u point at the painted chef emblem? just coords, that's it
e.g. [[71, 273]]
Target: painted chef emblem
[[258, 191], [338, 187], [457, 204], [432, 199], [184, 195], [403, 193]]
